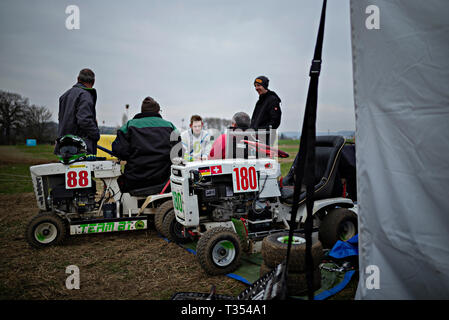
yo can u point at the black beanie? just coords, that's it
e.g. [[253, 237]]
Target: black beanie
[[150, 105], [263, 81]]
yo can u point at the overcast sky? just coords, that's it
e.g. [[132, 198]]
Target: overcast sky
[[193, 57]]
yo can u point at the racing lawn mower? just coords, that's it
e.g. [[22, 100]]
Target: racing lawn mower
[[248, 189], [230, 205], [66, 194]]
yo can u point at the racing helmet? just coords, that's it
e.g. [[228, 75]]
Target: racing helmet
[[71, 148]]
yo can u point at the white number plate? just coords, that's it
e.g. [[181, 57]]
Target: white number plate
[[78, 176], [244, 179], [178, 204]]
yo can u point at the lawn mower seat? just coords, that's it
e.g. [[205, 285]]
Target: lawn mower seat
[[150, 190], [327, 157]]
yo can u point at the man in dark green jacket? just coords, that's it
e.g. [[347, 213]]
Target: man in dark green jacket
[[144, 142]]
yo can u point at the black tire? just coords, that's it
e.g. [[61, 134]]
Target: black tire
[[338, 224], [297, 282], [274, 251], [173, 229], [215, 243], [159, 216], [46, 229]]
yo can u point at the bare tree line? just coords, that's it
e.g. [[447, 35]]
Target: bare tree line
[[20, 120], [217, 123]]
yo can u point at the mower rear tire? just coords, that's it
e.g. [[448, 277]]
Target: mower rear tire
[[297, 282], [274, 251], [159, 216], [338, 224], [173, 229]]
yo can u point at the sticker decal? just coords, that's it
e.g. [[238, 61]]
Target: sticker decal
[[216, 170], [244, 179], [108, 227], [205, 171]]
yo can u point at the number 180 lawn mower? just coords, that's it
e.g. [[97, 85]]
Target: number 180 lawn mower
[[230, 205]]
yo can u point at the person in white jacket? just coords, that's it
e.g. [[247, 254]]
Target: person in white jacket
[[196, 141]]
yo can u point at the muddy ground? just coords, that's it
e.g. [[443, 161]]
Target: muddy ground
[[115, 266], [133, 265]]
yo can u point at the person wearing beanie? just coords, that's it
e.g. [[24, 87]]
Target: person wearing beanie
[[267, 111], [144, 143]]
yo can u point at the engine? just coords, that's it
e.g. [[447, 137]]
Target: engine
[[219, 203], [73, 200]]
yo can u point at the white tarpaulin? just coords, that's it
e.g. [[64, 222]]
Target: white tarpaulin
[[401, 91]]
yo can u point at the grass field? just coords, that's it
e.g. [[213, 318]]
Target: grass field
[[291, 147], [39, 152], [15, 165], [115, 266], [134, 265]]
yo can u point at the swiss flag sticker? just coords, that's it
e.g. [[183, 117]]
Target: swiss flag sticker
[[216, 169]]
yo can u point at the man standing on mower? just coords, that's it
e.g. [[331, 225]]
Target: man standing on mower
[[144, 143], [77, 115], [196, 141], [267, 111]]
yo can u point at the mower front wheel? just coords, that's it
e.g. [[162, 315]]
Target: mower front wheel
[[45, 230], [219, 251]]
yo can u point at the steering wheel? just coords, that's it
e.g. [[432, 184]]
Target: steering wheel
[[269, 151]]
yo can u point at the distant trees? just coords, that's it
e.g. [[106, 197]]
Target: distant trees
[[19, 120], [108, 130], [37, 119], [217, 123], [12, 108]]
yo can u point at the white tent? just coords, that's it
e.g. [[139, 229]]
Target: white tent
[[401, 91]]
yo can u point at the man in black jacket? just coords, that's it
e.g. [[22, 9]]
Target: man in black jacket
[[267, 111], [144, 142], [77, 113]]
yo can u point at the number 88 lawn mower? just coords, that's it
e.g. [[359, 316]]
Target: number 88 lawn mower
[[213, 199], [66, 194]]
